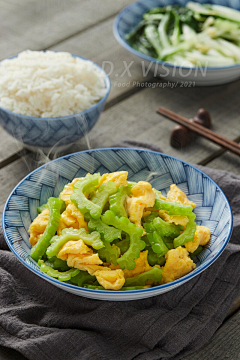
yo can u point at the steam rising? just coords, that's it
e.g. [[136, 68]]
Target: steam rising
[[35, 156]]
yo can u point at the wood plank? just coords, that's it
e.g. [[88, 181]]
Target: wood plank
[[99, 45], [105, 48], [228, 162], [11, 175], [136, 118], [223, 345], [235, 306], [8, 146], [36, 25]]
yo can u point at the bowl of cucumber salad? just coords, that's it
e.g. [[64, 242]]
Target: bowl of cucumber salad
[[183, 40]]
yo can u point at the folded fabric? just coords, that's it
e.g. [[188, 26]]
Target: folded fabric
[[45, 323]]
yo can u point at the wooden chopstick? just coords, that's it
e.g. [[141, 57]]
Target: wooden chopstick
[[200, 130]]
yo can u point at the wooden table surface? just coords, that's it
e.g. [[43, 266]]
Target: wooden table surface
[[84, 27]]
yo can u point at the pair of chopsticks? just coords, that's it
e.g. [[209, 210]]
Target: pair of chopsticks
[[200, 130]]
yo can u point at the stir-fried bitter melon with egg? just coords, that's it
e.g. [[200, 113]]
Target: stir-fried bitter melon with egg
[[104, 232]]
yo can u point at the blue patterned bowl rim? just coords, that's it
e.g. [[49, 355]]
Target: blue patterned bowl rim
[[183, 279], [107, 84], [146, 57]]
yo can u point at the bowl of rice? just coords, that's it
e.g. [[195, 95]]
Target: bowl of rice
[[50, 99]]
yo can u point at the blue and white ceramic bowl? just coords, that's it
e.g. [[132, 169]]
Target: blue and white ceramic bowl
[[56, 133], [212, 210], [130, 17]]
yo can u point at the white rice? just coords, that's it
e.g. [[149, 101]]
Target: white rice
[[49, 84]]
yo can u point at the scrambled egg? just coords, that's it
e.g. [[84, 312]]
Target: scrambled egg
[[110, 280], [142, 266], [149, 210], [79, 252], [178, 264], [176, 194], [68, 190], [175, 219], [71, 217], [161, 197], [119, 177], [139, 204], [201, 237], [82, 257], [38, 226], [146, 213], [143, 196]]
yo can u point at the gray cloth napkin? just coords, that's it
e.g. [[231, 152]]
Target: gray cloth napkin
[[46, 323]]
